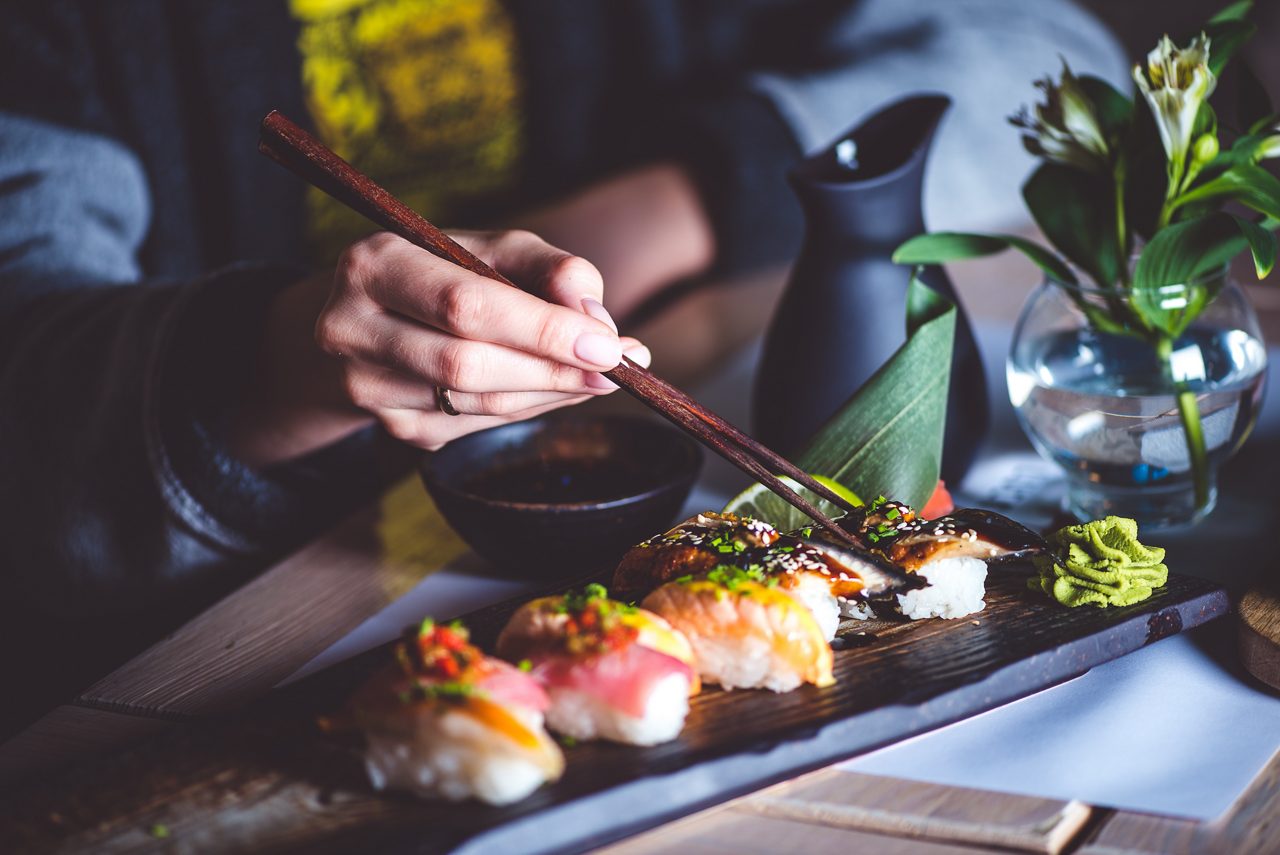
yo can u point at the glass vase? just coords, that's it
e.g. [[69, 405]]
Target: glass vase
[[1101, 398]]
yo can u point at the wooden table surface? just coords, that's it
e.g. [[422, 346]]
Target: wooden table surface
[[249, 642]]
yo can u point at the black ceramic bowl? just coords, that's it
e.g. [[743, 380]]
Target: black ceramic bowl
[[560, 495]]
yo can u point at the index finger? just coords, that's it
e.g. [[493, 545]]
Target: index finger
[[424, 288], [541, 268]]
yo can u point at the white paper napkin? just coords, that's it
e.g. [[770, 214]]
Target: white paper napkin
[[1166, 730]]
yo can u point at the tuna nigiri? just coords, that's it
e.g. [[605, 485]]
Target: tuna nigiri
[[745, 630], [611, 670], [448, 721]]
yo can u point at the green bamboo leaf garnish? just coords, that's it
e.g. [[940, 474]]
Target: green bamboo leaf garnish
[[887, 438]]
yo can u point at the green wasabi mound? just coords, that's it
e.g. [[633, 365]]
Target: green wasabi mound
[[1100, 563]]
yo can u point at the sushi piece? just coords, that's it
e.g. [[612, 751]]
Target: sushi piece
[[950, 553], [446, 721], [853, 573], [969, 532], [697, 545], [745, 630], [956, 588], [897, 532], [814, 590], [953, 553], [611, 670], [812, 565]]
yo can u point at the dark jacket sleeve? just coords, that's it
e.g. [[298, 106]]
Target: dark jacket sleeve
[[117, 494]]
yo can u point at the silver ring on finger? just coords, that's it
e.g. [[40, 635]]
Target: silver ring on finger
[[445, 402]]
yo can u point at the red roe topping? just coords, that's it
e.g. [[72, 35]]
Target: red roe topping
[[439, 660], [594, 623]]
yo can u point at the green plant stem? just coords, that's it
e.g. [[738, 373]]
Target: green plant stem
[[1117, 307], [1190, 412], [1175, 173], [1192, 428], [1122, 234]]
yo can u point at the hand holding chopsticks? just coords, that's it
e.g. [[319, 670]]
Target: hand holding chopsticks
[[294, 148]]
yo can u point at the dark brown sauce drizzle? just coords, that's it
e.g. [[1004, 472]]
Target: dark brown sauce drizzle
[[998, 529]]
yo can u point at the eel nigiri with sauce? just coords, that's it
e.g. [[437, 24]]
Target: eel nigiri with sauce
[[447, 721], [611, 670], [951, 553], [811, 566]]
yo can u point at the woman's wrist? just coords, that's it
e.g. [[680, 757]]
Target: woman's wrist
[[293, 402]]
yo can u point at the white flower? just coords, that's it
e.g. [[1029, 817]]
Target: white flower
[[1176, 82], [1065, 127]]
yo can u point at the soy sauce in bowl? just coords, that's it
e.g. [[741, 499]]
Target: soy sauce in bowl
[[560, 481], [560, 495]]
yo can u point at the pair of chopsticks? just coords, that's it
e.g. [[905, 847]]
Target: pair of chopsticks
[[294, 148]]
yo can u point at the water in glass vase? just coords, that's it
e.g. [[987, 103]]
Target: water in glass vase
[[1102, 407]]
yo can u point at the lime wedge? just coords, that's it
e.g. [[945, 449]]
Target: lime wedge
[[758, 502]]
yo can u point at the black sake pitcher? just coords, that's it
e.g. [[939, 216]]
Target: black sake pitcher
[[844, 311]]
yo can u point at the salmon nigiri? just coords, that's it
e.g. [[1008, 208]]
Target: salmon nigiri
[[745, 630], [611, 670], [448, 721]]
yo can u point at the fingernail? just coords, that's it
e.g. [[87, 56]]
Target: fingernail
[[598, 349], [639, 354], [595, 309], [599, 381]]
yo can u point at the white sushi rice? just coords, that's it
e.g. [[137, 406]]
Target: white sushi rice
[[748, 661], [956, 588], [814, 593], [455, 757], [585, 716]]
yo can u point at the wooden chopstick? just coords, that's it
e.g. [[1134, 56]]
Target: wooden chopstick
[[292, 147]]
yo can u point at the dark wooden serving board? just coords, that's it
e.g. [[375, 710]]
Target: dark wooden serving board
[[266, 778]]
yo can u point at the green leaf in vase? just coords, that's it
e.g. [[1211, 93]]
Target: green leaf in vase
[[1076, 211], [1236, 11], [1247, 149], [1169, 289], [1262, 244], [1114, 111], [887, 438], [941, 247], [1146, 178], [1226, 37], [1246, 183]]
